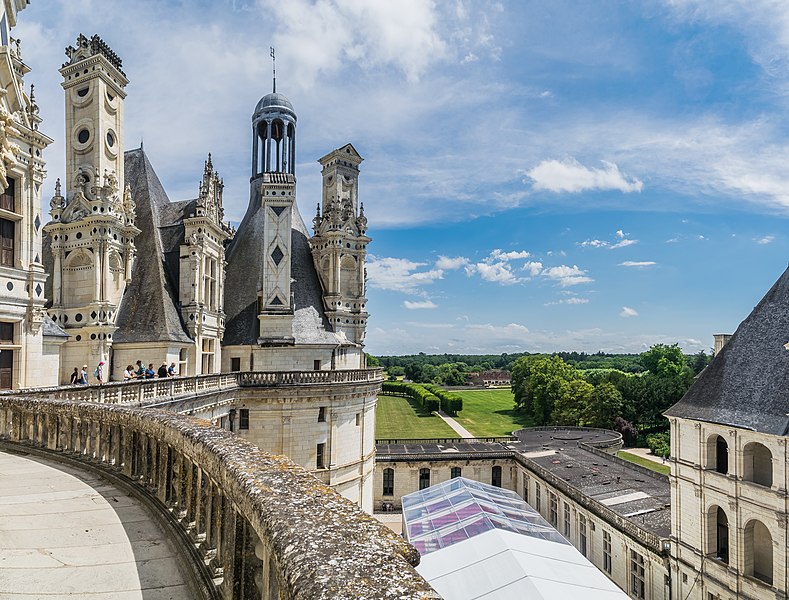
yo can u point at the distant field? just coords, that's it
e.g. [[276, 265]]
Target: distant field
[[645, 462], [490, 412], [398, 417]]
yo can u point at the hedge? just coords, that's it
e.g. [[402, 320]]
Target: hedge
[[423, 397], [450, 403]]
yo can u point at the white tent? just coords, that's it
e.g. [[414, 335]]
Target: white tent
[[480, 541]]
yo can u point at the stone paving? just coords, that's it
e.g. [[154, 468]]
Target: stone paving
[[67, 533]]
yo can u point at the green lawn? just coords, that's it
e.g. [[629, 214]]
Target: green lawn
[[398, 417], [644, 462], [490, 413]]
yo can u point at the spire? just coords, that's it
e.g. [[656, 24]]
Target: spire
[[273, 69]]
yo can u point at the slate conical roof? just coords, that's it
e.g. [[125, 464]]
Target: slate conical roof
[[747, 384], [245, 264], [148, 311]]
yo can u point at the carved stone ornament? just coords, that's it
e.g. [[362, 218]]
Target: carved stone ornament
[[35, 316], [8, 149]]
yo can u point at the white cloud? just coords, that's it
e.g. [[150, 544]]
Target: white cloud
[[628, 312], [566, 276], [623, 244], [593, 244], [573, 300], [499, 272], [317, 37], [450, 264], [638, 263], [506, 256], [399, 274], [767, 239], [571, 176], [533, 267], [427, 304]]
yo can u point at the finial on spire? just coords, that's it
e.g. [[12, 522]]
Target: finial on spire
[[273, 69], [141, 144]]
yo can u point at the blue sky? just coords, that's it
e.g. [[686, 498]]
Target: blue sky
[[538, 176]]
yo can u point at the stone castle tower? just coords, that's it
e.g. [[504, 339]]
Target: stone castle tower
[[339, 246], [93, 225], [273, 185]]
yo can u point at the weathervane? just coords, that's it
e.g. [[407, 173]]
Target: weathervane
[[274, 67]]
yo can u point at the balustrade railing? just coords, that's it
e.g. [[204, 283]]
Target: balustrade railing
[[264, 527], [150, 391]]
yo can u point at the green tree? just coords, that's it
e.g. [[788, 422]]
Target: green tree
[[372, 361], [664, 360], [699, 361], [604, 406], [569, 409], [538, 382]]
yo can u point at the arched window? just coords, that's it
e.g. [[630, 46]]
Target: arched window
[[758, 551], [717, 533], [388, 482], [495, 476], [454, 472], [718, 454], [424, 478], [757, 464]]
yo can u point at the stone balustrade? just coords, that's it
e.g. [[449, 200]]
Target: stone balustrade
[[151, 391], [264, 528]]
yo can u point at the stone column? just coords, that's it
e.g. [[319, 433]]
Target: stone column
[[56, 278]]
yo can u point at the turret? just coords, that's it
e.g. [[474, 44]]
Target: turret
[[339, 246]]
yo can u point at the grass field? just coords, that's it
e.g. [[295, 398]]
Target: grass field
[[398, 417], [490, 413], [644, 462]]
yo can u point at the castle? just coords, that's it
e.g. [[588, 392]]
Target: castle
[[266, 325]]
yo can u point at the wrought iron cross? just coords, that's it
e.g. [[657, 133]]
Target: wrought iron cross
[[274, 68]]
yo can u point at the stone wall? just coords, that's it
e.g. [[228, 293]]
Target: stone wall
[[263, 525]]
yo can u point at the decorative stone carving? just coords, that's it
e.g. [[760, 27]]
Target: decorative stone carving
[[8, 149]]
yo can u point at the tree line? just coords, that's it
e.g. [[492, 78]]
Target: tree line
[[552, 391]]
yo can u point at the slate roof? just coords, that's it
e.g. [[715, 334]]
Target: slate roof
[[52, 329], [747, 383], [148, 311], [245, 269]]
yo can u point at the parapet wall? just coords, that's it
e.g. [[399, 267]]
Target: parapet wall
[[264, 527]]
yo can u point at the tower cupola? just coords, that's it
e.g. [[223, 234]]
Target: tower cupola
[[274, 136]]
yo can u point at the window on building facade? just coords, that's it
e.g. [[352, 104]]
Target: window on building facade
[[537, 498], [495, 476], [316, 365], [719, 454], [8, 197], [7, 230], [638, 588], [719, 534], [208, 355], [554, 509], [358, 419], [758, 464], [320, 461], [388, 482], [322, 414], [758, 551], [235, 364], [182, 361], [209, 284], [567, 520], [6, 333], [454, 472], [582, 534], [607, 551], [243, 418], [6, 369], [526, 482], [424, 478]]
